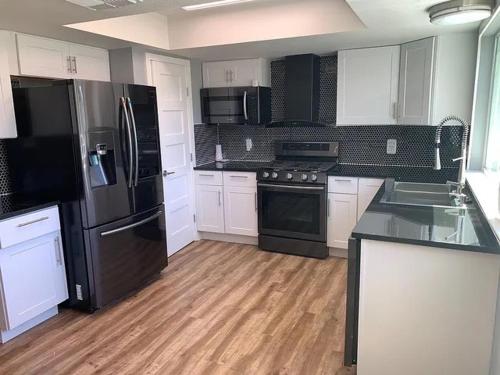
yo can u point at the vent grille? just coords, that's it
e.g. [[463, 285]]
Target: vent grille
[[104, 4]]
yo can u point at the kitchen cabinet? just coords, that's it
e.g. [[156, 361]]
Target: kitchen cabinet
[[7, 116], [236, 73], [33, 275], [342, 218], [51, 58], [416, 82], [210, 208], [226, 202], [240, 210], [367, 90], [368, 187]]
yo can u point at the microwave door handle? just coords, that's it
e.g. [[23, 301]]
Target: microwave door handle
[[129, 133], [245, 112], [134, 128]]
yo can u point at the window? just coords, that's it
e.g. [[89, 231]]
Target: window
[[492, 162]]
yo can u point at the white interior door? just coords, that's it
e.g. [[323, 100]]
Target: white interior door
[[170, 76]]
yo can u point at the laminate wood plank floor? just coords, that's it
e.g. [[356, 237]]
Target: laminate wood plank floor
[[218, 308]]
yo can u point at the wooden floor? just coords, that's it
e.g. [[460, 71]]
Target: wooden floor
[[218, 308]]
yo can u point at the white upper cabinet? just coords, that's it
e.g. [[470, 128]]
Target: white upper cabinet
[[236, 73], [90, 62], [7, 116], [367, 90], [42, 57], [416, 82]]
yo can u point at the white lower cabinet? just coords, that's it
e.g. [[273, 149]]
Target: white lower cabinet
[[367, 189], [226, 202], [33, 275], [210, 208], [342, 218], [240, 210]]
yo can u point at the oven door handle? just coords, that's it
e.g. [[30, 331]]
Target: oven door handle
[[292, 187]]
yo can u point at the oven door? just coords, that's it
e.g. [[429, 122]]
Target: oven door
[[292, 211]]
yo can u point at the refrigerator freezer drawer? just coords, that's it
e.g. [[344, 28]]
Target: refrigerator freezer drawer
[[127, 254]]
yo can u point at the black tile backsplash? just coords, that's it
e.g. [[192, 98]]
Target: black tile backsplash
[[5, 185], [358, 144]]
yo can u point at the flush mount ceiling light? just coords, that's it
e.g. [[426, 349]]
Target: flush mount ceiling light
[[460, 11], [213, 4]]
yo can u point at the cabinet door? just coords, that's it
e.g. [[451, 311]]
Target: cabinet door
[[240, 210], [7, 117], [90, 63], [368, 86], [210, 208], [341, 219], [216, 74], [245, 72], [415, 82], [368, 187], [31, 278], [42, 57]]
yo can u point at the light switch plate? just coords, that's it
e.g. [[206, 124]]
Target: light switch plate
[[249, 144], [392, 146]]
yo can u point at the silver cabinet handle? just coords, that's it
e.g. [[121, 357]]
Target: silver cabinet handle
[[256, 205], [340, 180], [328, 207], [69, 65], [73, 59], [245, 177], [206, 175], [129, 133], [130, 226], [227, 75], [57, 246], [231, 75], [32, 222], [245, 112], [134, 129], [219, 194]]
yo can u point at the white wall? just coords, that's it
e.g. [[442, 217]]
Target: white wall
[[455, 75], [495, 357]]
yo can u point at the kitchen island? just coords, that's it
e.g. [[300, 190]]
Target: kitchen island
[[422, 281]]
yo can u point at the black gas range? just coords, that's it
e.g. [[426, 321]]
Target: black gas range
[[292, 198]]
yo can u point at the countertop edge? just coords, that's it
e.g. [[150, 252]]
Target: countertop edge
[[24, 211]]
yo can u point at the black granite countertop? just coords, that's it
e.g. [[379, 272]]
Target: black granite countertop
[[453, 228], [241, 166], [411, 174], [13, 205]]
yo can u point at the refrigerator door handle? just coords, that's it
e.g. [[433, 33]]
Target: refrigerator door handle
[[130, 226], [134, 128], [129, 133]]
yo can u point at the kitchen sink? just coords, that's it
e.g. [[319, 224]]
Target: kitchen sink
[[420, 194]]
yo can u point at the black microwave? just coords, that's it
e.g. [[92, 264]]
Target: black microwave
[[236, 105]]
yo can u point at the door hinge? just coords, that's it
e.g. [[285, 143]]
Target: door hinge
[[194, 218]]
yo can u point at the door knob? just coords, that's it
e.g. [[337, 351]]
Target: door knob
[[165, 173]]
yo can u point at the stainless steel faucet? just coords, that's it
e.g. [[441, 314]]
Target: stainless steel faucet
[[463, 157]]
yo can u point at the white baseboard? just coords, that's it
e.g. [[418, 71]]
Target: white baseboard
[[10, 334], [336, 252], [234, 238]]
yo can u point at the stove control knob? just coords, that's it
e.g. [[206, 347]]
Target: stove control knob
[[314, 177], [289, 176], [265, 174], [304, 177], [274, 175]]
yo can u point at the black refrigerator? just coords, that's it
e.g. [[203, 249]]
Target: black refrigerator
[[94, 147]]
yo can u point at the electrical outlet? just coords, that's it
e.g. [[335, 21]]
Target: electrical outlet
[[249, 144], [392, 146]]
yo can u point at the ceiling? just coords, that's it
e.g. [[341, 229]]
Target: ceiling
[[385, 21]]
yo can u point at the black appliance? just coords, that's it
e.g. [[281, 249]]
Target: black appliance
[[302, 88], [236, 105], [292, 198], [94, 146]]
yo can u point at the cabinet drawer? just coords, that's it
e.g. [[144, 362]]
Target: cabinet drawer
[[208, 178], [242, 179], [343, 185], [26, 227]]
